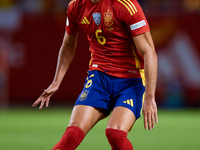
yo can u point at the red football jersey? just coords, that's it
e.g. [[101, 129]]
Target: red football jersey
[[110, 26]]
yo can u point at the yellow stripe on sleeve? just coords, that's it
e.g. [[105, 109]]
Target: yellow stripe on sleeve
[[133, 5], [72, 2], [129, 5], [126, 7]]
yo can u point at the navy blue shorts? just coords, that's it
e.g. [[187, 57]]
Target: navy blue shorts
[[104, 91]]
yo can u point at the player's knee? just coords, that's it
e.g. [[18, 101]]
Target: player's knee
[[118, 139], [73, 133], [114, 135], [72, 137]]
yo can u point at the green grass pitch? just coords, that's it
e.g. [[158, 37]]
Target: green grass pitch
[[33, 129]]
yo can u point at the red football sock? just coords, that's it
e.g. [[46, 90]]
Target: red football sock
[[118, 139], [70, 139]]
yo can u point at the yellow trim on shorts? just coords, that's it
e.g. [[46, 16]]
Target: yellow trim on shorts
[[142, 75], [143, 82]]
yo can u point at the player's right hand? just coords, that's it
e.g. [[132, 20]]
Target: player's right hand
[[45, 97]]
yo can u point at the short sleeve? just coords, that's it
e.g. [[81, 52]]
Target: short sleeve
[[71, 26], [135, 18]]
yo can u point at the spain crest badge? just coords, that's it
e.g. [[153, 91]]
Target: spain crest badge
[[84, 95], [108, 18]]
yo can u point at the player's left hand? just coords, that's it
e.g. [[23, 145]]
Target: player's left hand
[[45, 97], [150, 113]]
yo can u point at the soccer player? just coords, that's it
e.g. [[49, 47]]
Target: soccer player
[[122, 71]]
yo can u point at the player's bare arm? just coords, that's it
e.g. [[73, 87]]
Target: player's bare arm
[[66, 55], [145, 46]]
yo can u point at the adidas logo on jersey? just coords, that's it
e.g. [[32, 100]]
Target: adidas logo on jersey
[[85, 21], [129, 102]]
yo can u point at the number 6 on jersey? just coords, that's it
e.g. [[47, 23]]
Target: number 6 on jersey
[[101, 39]]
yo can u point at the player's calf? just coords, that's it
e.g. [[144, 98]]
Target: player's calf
[[70, 139], [118, 139]]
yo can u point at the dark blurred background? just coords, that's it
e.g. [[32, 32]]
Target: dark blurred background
[[31, 33]]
